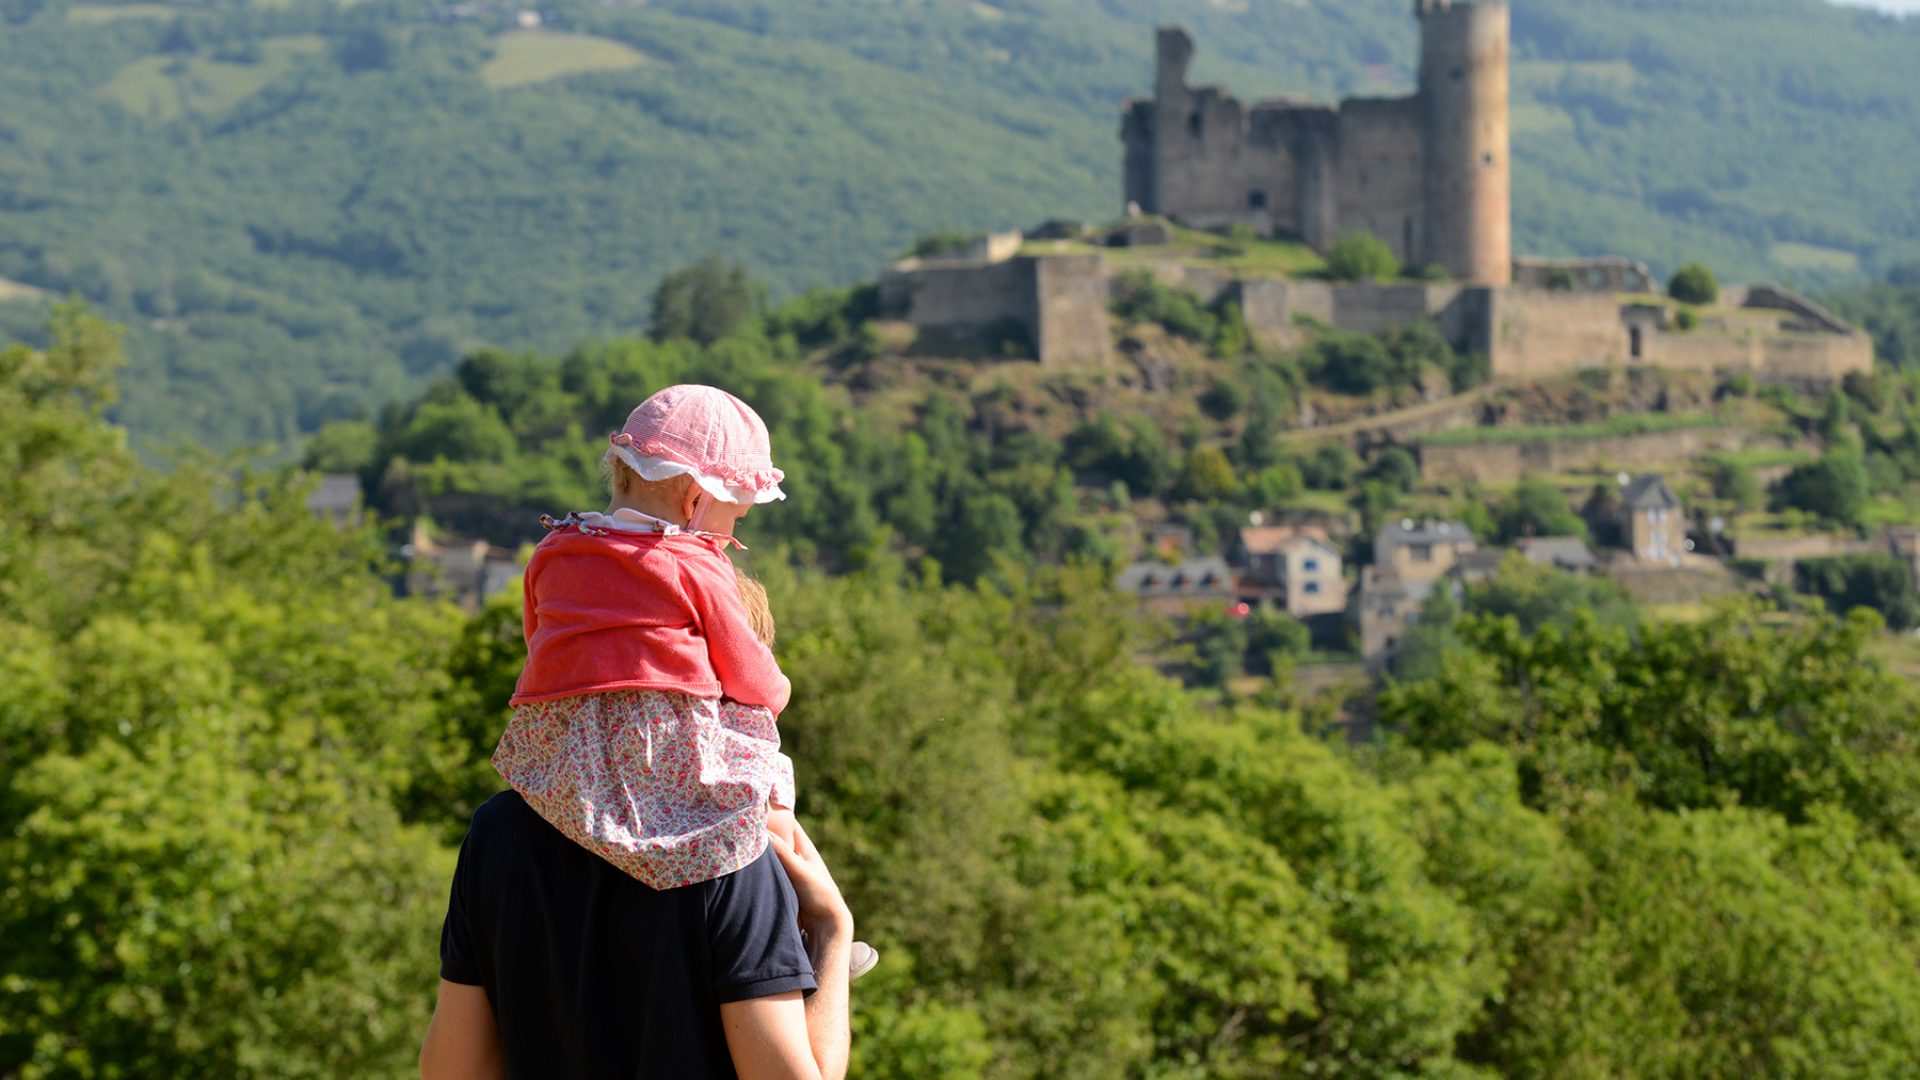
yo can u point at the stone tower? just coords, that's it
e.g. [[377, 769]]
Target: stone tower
[[1463, 98]]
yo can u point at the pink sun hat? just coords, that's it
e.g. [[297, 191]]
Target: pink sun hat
[[705, 433]]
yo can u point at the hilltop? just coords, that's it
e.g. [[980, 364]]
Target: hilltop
[[307, 211]]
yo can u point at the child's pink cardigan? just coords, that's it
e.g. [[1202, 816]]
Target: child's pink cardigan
[[643, 722]]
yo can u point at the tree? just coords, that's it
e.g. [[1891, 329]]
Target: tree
[[1359, 256], [1536, 508], [703, 303], [1836, 487], [1876, 580], [1694, 283]]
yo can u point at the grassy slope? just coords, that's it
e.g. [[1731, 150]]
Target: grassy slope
[[313, 241]]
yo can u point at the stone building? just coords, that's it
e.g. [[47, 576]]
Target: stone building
[[989, 299], [1652, 523], [1175, 589], [1296, 566], [1427, 174], [1421, 551]]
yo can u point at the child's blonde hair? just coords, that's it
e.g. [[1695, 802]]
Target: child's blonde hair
[[759, 612], [620, 479]]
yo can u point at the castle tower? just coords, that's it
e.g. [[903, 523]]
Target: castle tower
[[1463, 95]]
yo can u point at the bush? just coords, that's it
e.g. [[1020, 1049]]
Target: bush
[[1694, 284], [1536, 508], [1686, 319], [704, 303], [1736, 484], [1876, 580], [1331, 467], [1358, 256], [1834, 488], [1350, 363], [1141, 297]]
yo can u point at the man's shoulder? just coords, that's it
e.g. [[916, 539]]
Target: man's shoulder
[[506, 813]]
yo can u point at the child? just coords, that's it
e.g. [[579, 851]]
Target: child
[[643, 722]]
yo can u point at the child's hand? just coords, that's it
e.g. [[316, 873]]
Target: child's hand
[[823, 911]]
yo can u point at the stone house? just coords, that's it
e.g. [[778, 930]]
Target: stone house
[[1296, 566], [1421, 550], [468, 571], [1384, 606], [1175, 589], [337, 499], [1653, 524]]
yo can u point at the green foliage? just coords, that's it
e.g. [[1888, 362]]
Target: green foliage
[[1686, 319], [1536, 508], [1694, 283], [710, 300], [1360, 256], [1876, 580], [236, 767], [1683, 715], [1396, 467], [1539, 596], [1140, 297], [1835, 487], [1890, 312], [435, 210], [1330, 467], [944, 242], [1736, 483], [213, 708]]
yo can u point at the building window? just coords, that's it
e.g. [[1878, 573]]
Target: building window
[[1311, 588], [1633, 338], [1257, 200], [1311, 566], [1406, 240], [1195, 124], [1487, 159], [1420, 552]]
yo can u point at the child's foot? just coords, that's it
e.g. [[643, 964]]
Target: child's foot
[[864, 958]]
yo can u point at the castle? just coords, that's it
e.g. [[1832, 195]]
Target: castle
[[1428, 174]]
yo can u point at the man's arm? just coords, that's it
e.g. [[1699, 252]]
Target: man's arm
[[463, 1041], [783, 1037]]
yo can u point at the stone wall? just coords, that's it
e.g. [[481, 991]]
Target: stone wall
[[1776, 356], [1534, 333], [1380, 186], [1460, 464], [1057, 303], [1073, 327]]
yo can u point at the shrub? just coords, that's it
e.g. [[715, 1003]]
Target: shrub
[[1331, 467], [1141, 297], [1694, 284], [1834, 488], [1358, 256], [1875, 580], [1686, 319]]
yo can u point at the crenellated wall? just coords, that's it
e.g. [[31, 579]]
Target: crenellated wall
[[1427, 174]]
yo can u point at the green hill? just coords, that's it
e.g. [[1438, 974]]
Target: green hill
[[305, 210]]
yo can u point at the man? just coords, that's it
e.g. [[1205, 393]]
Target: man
[[555, 963]]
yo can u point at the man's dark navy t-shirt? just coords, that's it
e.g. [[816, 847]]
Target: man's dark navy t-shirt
[[591, 973]]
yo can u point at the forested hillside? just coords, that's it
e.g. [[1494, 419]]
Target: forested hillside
[[303, 211], [236, 768]]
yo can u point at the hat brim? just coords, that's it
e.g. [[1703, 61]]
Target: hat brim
[[655, 468]]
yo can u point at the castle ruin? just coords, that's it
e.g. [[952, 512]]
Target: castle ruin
[[1429, 174]]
